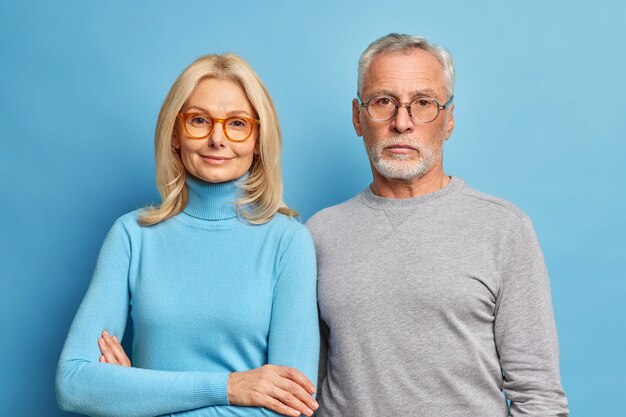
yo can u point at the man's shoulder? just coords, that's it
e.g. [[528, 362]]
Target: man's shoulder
[[494, 208], [333, 214]]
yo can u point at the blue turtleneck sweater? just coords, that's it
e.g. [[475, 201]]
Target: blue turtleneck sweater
[[208, 294]]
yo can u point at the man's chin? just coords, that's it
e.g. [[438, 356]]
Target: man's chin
[[399, 172]]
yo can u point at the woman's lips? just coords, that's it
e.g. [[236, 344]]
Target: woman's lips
[[215, 160]]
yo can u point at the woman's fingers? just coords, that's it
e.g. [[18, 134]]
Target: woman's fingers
[[291, 401], [274, 387], [273, 404], [118, 351], [295, 376], [293, 393], [292, 388], [108, 355], [112, 350]]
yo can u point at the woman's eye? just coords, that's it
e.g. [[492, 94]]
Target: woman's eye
[[200, 120], [238, 123]]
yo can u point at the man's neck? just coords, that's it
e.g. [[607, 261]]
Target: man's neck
[[432, 181]]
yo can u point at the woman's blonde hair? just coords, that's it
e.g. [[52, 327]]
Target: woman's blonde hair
[[263, 188]]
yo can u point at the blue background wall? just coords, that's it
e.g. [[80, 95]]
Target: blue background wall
[[539, 121]]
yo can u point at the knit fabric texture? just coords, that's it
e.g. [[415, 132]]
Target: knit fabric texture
[[434, 306], [208, 294]]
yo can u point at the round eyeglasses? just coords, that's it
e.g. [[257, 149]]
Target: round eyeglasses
[[200, 126], [421, 109]]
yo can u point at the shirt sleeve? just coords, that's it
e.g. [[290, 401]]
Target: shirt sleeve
[[84, 385], [525, 330], [323, 362], [294, 328]]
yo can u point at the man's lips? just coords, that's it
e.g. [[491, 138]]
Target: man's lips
[[400, 148]]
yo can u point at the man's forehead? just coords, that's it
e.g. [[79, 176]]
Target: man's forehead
[[405, 72]]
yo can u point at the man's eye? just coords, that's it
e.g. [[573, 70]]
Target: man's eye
[[383, 102], [422, 103]]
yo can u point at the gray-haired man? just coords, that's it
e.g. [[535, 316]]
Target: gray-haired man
[[434, 297]]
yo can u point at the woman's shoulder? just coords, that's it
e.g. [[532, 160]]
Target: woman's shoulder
[[128, 223], [294, 241], [288, 229], [130, 219], [287, 224]]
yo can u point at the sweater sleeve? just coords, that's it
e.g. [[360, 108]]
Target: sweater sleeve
[[86, 386], [525, 330], [294, 329]]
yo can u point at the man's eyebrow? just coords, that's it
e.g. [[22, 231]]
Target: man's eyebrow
[[425, 92], [382, 93]]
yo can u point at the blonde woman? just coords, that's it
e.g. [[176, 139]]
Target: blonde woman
[[219, 279]]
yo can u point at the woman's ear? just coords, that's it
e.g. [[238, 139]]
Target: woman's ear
[[175, 141]]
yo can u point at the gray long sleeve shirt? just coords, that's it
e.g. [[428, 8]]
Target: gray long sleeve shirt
[[434, 306]]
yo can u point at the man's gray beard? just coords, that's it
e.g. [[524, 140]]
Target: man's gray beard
[[399, 166]]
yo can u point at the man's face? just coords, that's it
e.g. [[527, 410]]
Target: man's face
[[401, 148]]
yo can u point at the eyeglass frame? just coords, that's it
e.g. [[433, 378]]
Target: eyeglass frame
[[399, 104], [214, 120]]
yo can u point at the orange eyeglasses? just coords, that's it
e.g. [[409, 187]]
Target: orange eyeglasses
[[200, 126]]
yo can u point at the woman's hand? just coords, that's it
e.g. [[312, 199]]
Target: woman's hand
[[112, 351], [278, 388]]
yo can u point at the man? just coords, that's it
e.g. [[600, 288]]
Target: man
[[434, 298]]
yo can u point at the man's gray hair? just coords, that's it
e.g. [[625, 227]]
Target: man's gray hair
[[396, 42]]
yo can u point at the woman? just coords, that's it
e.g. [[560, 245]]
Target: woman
[[219, 280]]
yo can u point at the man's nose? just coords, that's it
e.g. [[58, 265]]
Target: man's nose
[[402, 122]]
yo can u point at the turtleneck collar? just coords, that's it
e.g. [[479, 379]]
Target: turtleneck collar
[[212, 201], [381, 203]]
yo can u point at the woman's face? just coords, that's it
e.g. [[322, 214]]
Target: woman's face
[[215, 158]]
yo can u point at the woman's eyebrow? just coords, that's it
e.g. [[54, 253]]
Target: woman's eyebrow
[[199, 108], [230, 113], [238, 112]]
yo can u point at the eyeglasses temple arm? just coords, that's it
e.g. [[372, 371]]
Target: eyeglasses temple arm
[[447, 103]]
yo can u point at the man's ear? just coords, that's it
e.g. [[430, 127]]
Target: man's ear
[[450, 122], [356, 117]]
